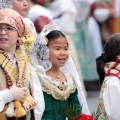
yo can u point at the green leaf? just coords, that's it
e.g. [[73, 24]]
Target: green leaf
[[70, 111]]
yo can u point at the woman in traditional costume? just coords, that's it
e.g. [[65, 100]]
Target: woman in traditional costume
[[39, 15], [108, 68], [107, 12], [84, 45]]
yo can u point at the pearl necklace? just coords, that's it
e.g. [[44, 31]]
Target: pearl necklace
[[57, 76]]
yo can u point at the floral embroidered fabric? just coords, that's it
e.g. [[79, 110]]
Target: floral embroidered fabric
[[100, 113]]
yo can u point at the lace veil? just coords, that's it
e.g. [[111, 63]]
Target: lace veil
[[5, 4], [40, 57]]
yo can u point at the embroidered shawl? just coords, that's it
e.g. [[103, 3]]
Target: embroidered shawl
[[9, 73]]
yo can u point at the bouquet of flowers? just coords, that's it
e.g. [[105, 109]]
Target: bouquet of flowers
[[84, 117], [73, 113]]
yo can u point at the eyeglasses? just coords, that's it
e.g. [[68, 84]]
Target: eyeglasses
[[7, 29]]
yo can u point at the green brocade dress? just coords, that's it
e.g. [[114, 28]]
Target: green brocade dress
[[53, 106]]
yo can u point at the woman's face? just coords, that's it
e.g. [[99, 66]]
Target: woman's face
[[58, 52], [8, 38], [21, 6]]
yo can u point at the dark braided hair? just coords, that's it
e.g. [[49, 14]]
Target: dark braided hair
[[54, 35], [111, 51]]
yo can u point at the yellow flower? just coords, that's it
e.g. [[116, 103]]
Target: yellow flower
[[28, 42]]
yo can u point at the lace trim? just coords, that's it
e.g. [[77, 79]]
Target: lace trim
[[67, 76], [6, 4], [50, 88]]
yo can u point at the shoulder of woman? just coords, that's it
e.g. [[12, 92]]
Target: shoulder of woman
[[112, 80]]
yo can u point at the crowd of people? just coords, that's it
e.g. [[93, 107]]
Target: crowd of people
[[52, 52]]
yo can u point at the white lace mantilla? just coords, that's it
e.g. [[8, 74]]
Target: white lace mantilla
[[5, 4]]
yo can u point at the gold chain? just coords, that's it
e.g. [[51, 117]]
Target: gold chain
[[57, 76]]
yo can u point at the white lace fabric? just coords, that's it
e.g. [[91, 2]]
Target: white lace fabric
[[67, 76], [5, 4], [40, 57]]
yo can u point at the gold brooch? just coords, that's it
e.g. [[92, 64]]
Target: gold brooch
[[62, 86]]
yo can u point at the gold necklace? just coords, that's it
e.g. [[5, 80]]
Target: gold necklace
[[57, 76]]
